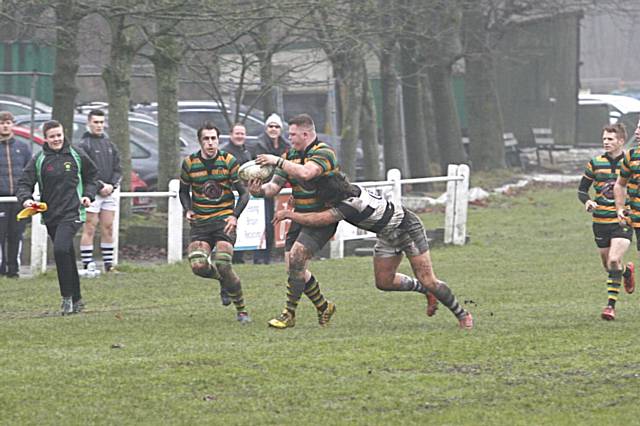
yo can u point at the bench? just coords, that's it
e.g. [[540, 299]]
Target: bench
[[544, 141], [511, 149]]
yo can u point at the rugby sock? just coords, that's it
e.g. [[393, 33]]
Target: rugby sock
[[86, 254], [613, 286], [410, 284], [295, 287], [237, 298], [107, 255], [312, 290], [445, 296]]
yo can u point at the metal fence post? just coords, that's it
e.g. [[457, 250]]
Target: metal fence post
[[116, 226], [461, 205], [395, 176], [450, 213], [38, 241], [174, 226]]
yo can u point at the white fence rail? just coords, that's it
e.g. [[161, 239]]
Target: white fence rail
[[457, 180]]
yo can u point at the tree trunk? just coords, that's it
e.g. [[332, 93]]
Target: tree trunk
[[117, 76], [66, 64], [166, 61], [430, 125], [413, 112], [484, 116], [369, 132], [446, 116], [265, 56], [392, 141], [348, 71]]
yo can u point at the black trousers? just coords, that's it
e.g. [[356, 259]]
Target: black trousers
[[10, 237], [65, 255]]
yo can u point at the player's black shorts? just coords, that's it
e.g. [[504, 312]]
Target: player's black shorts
[[313, 238], [211, 232], [604, 232]]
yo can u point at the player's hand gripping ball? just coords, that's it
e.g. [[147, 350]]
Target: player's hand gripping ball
[[250, 170]]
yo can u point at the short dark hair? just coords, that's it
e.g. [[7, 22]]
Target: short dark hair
[[95, 112], [51, 124], [208, 126], [6, 116], [334, 187], [617, 128], [303, 120]]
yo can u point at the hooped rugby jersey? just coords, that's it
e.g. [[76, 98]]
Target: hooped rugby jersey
[[304, 193], [371, 212], [630, 170], [211, 184], [603, 171]]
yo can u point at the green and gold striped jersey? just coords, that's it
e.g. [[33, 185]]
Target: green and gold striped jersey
[[304, 193], [211, 183], [630, 170], [603, 171]]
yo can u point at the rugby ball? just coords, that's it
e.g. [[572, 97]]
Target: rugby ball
[[250, 170]]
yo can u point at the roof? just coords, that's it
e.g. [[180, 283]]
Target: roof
[[624, 104]]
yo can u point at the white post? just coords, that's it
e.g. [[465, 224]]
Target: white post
[[449, 218], [116, 225], [174, 225], [395, 176], [336, 244], [38, 241], [461, 204]]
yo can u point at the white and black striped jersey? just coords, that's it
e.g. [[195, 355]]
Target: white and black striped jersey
[[371, 212]]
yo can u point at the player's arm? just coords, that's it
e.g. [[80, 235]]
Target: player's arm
[[243, 198], [316, 219], [583, 193], [307, 171], [267, 190], [26, 183], [620, 196]]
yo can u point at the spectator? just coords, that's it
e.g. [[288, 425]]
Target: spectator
[[14, 156]]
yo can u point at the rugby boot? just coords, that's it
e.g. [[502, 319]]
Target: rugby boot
[[78, 306], [432, 304], [630, 281], [285, 320], [66, 307], [243, 318], [608, 313], [466, 323], [325, 316]]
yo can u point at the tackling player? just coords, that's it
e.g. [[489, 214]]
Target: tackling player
[[207, 181], [612, 237], [398, 230]]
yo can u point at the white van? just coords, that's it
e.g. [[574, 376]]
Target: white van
[[597, 110]]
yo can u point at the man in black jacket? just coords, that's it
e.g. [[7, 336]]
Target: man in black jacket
[[67, 180], [107, 159], [14, 155]]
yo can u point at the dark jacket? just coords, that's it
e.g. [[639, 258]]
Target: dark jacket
[[241, 153], [265, 146], [60, 183], [106, 157], [14, 156]]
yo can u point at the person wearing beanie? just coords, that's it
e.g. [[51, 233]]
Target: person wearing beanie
[[271, 142], [14, 156]]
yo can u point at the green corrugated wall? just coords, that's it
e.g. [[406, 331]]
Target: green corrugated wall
[[27, 56]]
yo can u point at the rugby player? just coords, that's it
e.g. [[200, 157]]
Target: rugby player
[[207, 180], [612, 237], [398, 230], [307, 159]]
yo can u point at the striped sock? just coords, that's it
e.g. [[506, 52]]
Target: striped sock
[[410, 284], [312, 290], [237, 298], [295, 287], [613, 286], [445, 296], [107, 255], [86, 254]]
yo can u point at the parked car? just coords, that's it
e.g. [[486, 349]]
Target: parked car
[[143, 146], [18, 105], [195, 113], [598, 110], [137, 184]]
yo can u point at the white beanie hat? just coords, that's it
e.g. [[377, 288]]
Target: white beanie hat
[[273, 118]]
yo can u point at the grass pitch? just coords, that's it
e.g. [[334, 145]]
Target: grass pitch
[[156, 347]]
